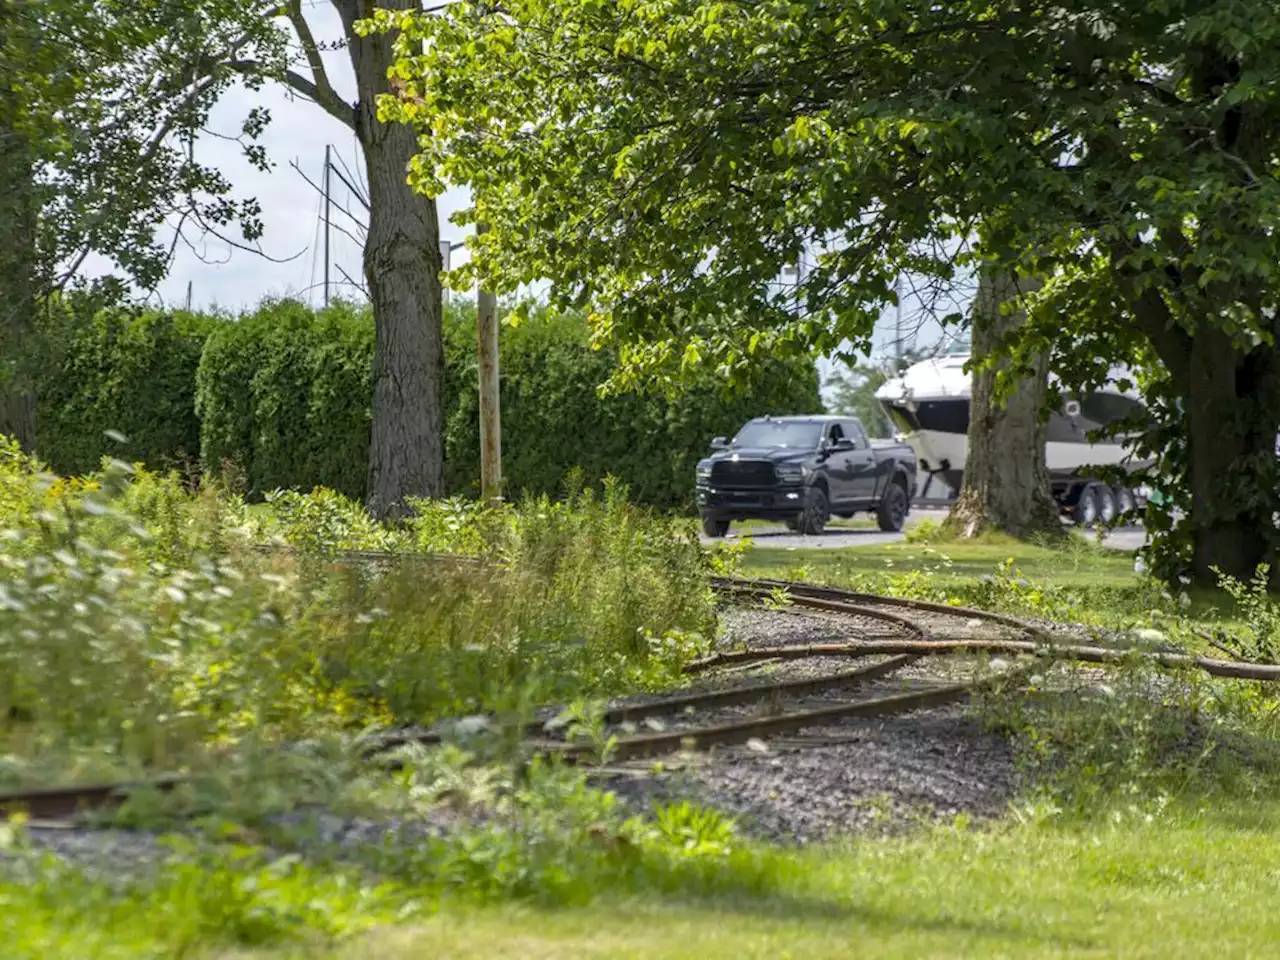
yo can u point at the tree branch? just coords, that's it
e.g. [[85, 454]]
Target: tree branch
[[332, 104], [318, 88], [1171, 343]]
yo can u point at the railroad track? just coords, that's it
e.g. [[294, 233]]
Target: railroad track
[[892, 633]]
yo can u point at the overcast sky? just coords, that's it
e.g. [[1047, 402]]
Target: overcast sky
[[235, 280]]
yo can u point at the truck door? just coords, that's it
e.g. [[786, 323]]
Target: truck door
[[864, 475], [840, 468]]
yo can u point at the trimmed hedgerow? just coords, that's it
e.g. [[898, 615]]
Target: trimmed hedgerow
[[281, 397], [121, 369]]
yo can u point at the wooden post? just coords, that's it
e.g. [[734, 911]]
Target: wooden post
[[490, 410]]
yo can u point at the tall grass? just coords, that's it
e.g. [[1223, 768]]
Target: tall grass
[[140, 625]]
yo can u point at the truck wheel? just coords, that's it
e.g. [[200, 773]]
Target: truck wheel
[[816, 512], [793, 523], [1087, 508], [892, 513], [713, 527]]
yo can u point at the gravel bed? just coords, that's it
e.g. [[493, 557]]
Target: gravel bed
[[754, 627], [111, 856], [117, 856], [884, 776]]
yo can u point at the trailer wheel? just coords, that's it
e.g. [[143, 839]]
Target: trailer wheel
[[1087, 508], [1106, 504]]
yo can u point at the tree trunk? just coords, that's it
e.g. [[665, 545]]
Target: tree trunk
[[1231, 433], [402, 270], [1006, 483], [18, 269]]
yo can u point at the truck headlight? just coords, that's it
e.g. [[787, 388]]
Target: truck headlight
[[790, 471], [704, 472]]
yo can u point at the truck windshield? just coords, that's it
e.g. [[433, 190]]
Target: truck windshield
[[775, 433]]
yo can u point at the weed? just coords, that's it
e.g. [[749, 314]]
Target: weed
[[1259, 615], [925, 531], [1133, 735]]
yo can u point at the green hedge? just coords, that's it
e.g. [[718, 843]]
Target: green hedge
[[554, 420], [282, 396], [122, 369]]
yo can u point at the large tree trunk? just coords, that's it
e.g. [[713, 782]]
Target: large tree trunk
[[1231, 433], [1006, 483], [402, 269]]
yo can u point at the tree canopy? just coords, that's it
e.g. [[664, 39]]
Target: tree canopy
[[108, 97], [665, 159]]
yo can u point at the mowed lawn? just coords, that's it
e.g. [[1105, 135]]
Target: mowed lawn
[[1185, 886]]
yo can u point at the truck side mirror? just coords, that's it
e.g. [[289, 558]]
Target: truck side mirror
[[719, 443]]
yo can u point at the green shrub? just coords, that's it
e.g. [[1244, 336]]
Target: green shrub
[[280, 399], [140, 628], [118, 369], [284, 395], [594, 596], [554, 420]]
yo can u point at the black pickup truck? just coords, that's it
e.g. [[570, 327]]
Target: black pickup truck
[[801, 470]]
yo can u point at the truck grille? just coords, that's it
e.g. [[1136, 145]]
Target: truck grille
[[742, 473]]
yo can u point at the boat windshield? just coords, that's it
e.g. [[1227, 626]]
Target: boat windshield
[[959, 344], [799, 434]]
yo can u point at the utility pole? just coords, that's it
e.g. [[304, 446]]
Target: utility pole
[[897, 325], [490, 411], [328, 149], [188, 296]]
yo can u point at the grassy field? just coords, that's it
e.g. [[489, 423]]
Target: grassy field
[[1160, 889]]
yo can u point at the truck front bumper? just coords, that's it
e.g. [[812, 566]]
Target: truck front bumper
[[776, 503]]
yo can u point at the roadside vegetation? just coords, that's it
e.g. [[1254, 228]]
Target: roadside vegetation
[[146, 628]]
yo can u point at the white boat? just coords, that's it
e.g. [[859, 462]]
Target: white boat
[[929, 406]]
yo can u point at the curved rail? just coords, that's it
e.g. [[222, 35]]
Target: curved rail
[[805, 594], [834, 599], [726, 734]]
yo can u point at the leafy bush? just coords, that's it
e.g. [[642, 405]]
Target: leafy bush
[[593, 596], [118, 369], [554, 419], [545, 835], [283, 394]]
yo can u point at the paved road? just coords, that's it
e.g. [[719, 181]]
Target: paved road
[[770, 535]]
